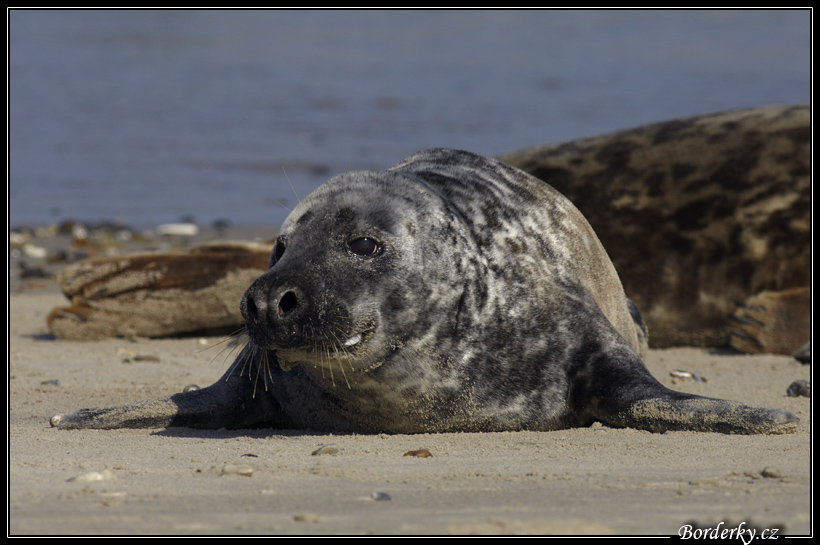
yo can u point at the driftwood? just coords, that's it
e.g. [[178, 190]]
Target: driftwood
[[704, 218], [157, 294]]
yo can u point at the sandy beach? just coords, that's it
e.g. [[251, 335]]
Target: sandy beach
[[595, 480]]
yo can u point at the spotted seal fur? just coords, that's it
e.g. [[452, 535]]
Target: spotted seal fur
[[451, 292]]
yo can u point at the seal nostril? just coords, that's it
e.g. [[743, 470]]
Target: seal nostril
[[250, 308], [287, 304]]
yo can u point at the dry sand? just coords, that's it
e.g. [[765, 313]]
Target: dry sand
[[580, 481]]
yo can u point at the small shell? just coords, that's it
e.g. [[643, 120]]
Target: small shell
[[326, 449], [422, 453], [686, 375]]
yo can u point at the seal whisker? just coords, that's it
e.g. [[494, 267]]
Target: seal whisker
[[269, 374], [230, 337], [324, 358], [298, 200], [339, 351], [327, 362], [330, 368], [261, 370], [347, 353], [237, 341], [242, 359], [282, 205], [258, 372]]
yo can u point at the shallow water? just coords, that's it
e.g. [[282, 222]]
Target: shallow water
[[148, 117]]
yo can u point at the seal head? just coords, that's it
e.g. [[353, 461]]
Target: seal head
[[345, 289]]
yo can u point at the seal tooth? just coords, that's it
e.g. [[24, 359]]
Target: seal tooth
[[355, 339]]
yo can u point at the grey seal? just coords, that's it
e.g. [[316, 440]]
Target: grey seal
[[451, 292]]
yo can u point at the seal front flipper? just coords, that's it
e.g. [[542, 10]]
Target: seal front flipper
[[629, 396], [232, 402], [676, 411]]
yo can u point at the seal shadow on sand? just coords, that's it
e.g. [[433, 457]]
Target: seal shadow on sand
[[453, 292]]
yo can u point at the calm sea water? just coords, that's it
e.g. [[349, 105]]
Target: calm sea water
[[147, 117]]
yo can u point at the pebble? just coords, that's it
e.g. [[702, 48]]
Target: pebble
[[804, 354], [93, 476], [326, 449], [32, 271], [799, 388], [178, 229], [17, 239], [705, 480], [35, 252], [423, 453], [112, 498], [237, 469], [686, 375], [141, 357], [771, 473]]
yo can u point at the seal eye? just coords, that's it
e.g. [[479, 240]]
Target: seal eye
[[278, 250], [364, 246]]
